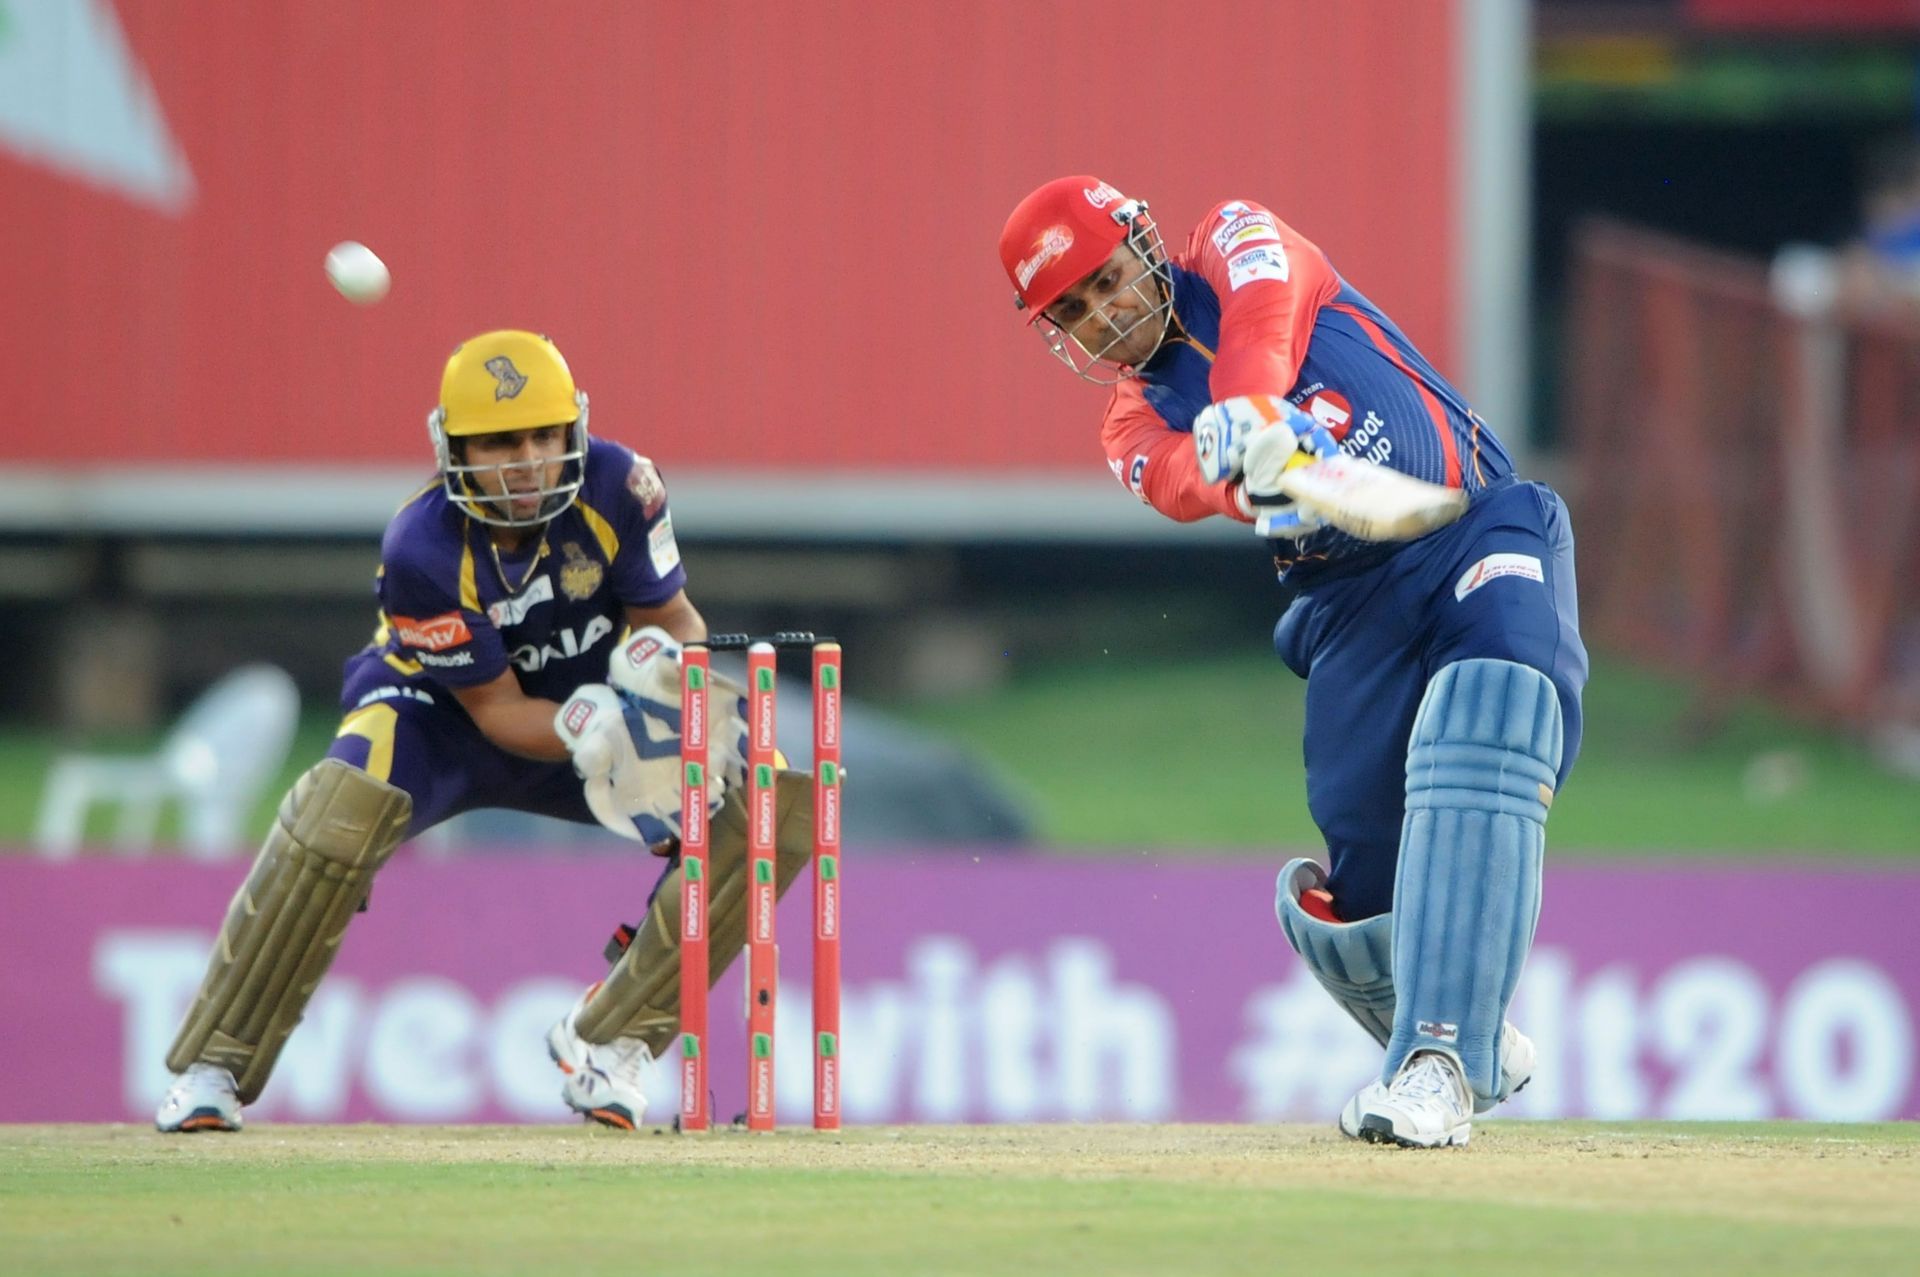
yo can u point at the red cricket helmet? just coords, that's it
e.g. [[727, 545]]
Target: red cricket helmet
[[1059, 234], [1063, 232]]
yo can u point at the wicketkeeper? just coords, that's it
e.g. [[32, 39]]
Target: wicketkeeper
[[1430, 606], [532, 604]]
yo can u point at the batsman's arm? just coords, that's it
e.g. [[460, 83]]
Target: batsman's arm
[[1272, 282], [516, 722], [1157, 465]]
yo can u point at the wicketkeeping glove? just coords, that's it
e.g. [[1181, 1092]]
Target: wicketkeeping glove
[[624, 738], [628, 764], [645, 670]]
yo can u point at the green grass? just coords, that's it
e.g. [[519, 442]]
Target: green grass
[[1205, 754], [1523, 1199]]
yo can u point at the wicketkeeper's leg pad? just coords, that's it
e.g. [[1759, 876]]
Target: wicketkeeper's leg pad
[[641, 995], [1481, 765], [1353, 961], [335, 828]]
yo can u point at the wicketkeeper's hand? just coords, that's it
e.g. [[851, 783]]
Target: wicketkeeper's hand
[[646, 669], [1223, 431], [624, 738], [629, 769]]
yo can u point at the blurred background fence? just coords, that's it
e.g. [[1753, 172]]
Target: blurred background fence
[[1748, 462]]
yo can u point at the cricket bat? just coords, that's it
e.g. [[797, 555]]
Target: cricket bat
[[1370, 501]]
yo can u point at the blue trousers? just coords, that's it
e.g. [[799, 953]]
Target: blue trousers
[[416, 736], [1368, 644]]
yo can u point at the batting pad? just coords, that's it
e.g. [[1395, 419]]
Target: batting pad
[[641, 995], [1353, 961], [335, 829], [1480, 773]]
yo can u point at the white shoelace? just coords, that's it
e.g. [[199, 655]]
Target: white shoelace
[[1429, 1079]]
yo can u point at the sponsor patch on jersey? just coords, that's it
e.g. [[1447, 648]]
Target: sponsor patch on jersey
[[1053, 241], [1495, 566], [514, 610], [580, 576], [1249, 228], [1230, 211], [662, 548], [1137, 476], [451, 660], [643, 481], [1331, 409], [433, 633], [1269, 261], [564, 645]]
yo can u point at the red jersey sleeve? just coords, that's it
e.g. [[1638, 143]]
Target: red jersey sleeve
[[1271, 281], [1157, 464]]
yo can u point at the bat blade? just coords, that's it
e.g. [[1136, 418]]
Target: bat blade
[[1370, 501]]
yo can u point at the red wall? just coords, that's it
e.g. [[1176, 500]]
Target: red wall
[[762, 233]]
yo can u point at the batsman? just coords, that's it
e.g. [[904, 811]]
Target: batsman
[[532, 608], [1428, 600]]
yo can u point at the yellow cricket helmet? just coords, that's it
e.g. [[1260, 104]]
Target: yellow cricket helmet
[[501, 381]]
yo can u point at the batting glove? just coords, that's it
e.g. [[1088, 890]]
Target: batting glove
[[1274, 513], [1223, 431]]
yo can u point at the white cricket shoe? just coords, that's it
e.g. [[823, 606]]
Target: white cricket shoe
[[203, 1098], [602, 1078], [1516, 1068], [1427, 1105]]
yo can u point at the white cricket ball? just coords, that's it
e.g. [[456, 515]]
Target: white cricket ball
[[358, 273]]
